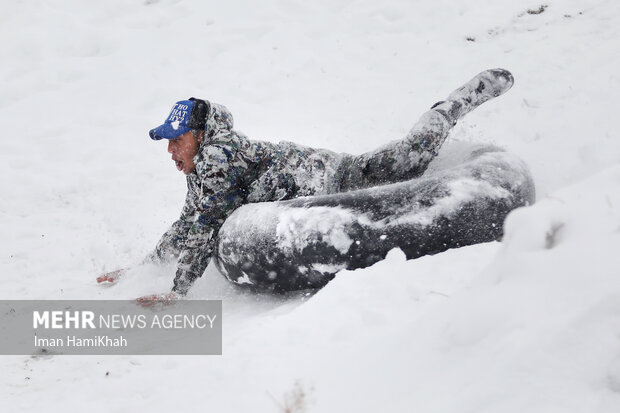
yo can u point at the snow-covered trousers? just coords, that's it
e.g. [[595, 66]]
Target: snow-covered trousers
[[394, 197]]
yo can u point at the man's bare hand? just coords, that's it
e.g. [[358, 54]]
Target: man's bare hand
[[151, 300], [111, 277]]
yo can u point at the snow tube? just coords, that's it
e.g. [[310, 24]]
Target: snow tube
[[462, 199]]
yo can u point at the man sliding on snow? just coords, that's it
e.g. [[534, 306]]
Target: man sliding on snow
[[225, 170]]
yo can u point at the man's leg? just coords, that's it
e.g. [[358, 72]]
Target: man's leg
[[408, 158]]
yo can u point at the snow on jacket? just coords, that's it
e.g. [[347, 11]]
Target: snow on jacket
[[231, 171]]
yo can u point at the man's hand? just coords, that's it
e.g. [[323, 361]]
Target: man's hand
[[111, 277], [151, 300]]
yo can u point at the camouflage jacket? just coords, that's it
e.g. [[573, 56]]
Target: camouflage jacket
[[231, 171]]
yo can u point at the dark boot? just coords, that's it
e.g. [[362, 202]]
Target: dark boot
[[484, 86]]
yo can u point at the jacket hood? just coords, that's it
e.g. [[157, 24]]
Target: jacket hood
[[219, 121], [218, 127]]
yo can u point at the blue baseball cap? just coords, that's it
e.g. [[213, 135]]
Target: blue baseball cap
[[184, 116]]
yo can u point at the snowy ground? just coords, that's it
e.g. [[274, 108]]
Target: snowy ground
[[530, 324]]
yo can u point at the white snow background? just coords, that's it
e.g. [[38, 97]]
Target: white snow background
[[531, 324]]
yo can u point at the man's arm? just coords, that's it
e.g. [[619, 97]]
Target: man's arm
[[169, 246], [221, 192], [173, 241]]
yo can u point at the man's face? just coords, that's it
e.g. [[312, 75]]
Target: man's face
[[183, 150]]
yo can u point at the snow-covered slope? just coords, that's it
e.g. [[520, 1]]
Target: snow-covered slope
[[529, 324]]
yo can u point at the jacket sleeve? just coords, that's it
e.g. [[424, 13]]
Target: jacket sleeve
[[173, 241], [220, 194]]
